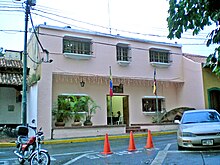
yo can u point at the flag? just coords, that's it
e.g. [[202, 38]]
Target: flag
[[155, 83], [110, 83]]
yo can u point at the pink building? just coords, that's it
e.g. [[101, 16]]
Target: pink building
[[85, 56]]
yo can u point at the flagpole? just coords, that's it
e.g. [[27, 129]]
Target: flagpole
[[155, 93], [111, 93], [157, 109], [111, 110]]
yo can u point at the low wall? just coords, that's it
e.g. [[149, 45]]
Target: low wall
[[160, 127], [86, 131]]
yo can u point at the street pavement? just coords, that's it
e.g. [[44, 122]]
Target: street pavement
[[90, 139]]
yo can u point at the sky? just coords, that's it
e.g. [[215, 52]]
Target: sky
[[145, 19]]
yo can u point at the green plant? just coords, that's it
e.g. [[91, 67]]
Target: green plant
[[90, 107], [83, 104], [62, 110]]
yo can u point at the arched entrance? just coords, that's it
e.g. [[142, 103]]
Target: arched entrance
[[214, 98]]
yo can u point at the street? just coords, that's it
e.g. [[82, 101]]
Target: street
[[90, 153]]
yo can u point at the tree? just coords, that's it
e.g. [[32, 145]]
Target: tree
[[195, 15]]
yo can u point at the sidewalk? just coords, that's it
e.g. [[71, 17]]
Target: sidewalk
[[88, 139]]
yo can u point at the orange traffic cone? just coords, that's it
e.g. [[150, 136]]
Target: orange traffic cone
[[107, 149], [131, 143], [149, 141]]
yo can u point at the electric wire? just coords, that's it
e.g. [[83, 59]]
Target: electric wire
[[57, 15], [137, 33], [118, 30], [60, 21], [43, 49], [161, 29], [154, 35], [96, 42], [106, 28]]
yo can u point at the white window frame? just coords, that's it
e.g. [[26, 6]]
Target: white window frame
[[158, 59], [147, 109], [123, 59], [82, 52]]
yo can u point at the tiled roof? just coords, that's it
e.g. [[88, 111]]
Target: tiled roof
[[11, 79], [195, 58], [10, 63], [11, 72]]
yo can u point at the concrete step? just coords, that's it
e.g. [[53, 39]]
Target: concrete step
[[135, 129]]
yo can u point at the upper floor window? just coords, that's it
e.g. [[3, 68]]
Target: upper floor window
[[159, 56], [149, 104], [123, 53], [77, 45]]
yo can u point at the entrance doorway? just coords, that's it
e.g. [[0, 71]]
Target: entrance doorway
[[214, 99], [119, 113]]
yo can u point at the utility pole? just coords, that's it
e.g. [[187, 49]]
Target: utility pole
[[24, 89]]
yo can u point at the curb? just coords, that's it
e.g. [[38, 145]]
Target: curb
[[90, 139]]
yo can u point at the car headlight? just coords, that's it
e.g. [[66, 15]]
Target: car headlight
[[187, 134]]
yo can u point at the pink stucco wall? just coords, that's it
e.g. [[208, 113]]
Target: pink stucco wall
[[175, 82]]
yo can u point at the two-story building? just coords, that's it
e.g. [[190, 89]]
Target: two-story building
[[81, 66]]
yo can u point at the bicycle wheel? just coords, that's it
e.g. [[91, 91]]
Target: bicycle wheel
[[44, 159]]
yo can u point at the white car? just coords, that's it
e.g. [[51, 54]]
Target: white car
[[199, 129]]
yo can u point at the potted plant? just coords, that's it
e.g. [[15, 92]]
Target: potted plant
[[62, 111], [77, 119], [75, 109], [89, 106]]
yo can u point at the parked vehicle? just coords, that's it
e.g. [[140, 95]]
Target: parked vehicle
[[199, 129], [29, 149]]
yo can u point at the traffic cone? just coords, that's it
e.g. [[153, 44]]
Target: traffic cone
[[107, 149], [131, 143], [149, 140]]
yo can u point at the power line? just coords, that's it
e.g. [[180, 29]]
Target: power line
[[96, 42], [95, 25], [54, 35], [66, 23], [104, 27], [59, 21], [71, 19]]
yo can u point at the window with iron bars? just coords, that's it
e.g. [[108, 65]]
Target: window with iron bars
[[160, 56], [149, 104], [122, 52], [77, 46]]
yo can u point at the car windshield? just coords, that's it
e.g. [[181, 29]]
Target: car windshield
[[200, 117]]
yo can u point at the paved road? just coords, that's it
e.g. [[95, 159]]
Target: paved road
[[164, 152]]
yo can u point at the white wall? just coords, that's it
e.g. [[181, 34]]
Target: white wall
[[8, 97], [32, 104]]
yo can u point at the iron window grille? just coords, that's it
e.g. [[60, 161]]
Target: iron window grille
[[77, 46], [149, 105], [123, 52], [159, 56]]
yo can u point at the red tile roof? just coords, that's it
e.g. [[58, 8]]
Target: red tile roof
[[11, 72], [10, 63], [195, 58], [11, 79]]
